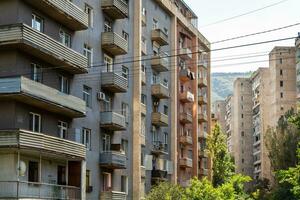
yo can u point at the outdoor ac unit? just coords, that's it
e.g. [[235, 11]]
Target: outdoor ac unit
[[101, 96]]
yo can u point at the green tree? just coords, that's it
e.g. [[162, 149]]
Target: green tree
[[222, 164], [166, 191]]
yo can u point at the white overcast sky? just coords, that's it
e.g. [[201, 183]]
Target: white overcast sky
[[210, 11]]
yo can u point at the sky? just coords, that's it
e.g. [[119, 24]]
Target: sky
[[252, 57]]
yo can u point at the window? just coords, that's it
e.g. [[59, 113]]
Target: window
[[281, 72], [125, 111], [33, 171], [37, 22], [36, 73], [65, 38], [62, 129], [242, 160], [86, 138], [166, 110], [125, 72], [107, 25], [87, 180], [106, 142], [88, 53], [106, 181], [108, 62], [242, 98], [124, 184], [154, 24], [243, 133], [64, 84], [87, 97], [281, 94], [35, 122], [166, 31], [155, 136], [144, 12], [61, 175], [143, 125], [142, 156], [281, 83], [125, 146], [242, 115], [89, 10], [165, 138], [125, 35], [280, 60]]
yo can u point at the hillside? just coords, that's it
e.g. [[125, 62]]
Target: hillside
[[222, 84]]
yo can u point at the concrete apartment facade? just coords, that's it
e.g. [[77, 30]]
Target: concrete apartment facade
[[297, 49], [86, 122], [229, 123], [219, 111]]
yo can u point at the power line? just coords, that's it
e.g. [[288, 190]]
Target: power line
[[243, 14]]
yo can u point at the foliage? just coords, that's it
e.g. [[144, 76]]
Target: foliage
[[223, 167], [165, 191]]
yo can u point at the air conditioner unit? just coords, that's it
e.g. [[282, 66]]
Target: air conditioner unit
[[101, 96]]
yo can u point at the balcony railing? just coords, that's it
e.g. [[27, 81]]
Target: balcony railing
[[112, 160], [186, 162], [202, 100], [159, 147], [113, 195], [203, 63], [159, 175], [33, 42], [114, 82], [202, 82], [112, 121], [159, 119], [203, 153], [160, 37], [41, 142], [115, 9], [42, 96], [114, 43], [185, 53], [203, 172], [186, 139], [65, 12], [185, 75], [186, 118], [30, 190], [160, 91], [202, 117], [186, 97], [160, 63]]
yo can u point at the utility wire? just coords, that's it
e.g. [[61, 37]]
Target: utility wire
[[243, 14]]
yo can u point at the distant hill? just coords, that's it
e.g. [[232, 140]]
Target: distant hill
[[222, 84]]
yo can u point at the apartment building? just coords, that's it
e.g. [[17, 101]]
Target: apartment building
[[219, 110], [229, 123], [84, 120], [297, 49]]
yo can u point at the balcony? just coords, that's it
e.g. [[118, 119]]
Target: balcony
[[185, 53], [41, 142], [143, 109], [39, 95], [114, 43], [160, 91], [35, 43], [202, 135], [112, 121], [202, 100], [113, 160], [202, 82], [159, 148], [186, 97], [185, 162], [203, 63], [65, 12], [115, 9], [160, 37], [185, 75], [202, 117], [113, 195], [160, 63], [203, 172], [186, 118], [186, 139], [202, 153], [158, 176], [113, 82], [29, 190], [159, 119]]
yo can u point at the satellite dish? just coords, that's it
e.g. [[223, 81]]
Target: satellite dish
[[22, 168]]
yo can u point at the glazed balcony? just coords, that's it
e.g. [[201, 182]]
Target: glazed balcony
[[114, 43], [185, 53], [159, 175], [159, 119], [202, 82], [65, 12], [185, 75], [112, 121], [113, 195], [202, 117], [159, 148], [186, 139], [160, 37], [114, 82], [23, 139], [203, 172], [113, 160], [38, 44], [203, 64], [185, 162], [186, 97], [160, 63], [115, 9], [202, 135], [186, 118], [30, 190], [39, 95], [202, 99], [160, 91], [202, 153]]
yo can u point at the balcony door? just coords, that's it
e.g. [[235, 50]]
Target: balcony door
[[108, 62], [106, 142]]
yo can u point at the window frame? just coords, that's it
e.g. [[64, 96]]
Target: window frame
[[34, 18], [86, 138], [33, 121], [87, 95], [62, 129]]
